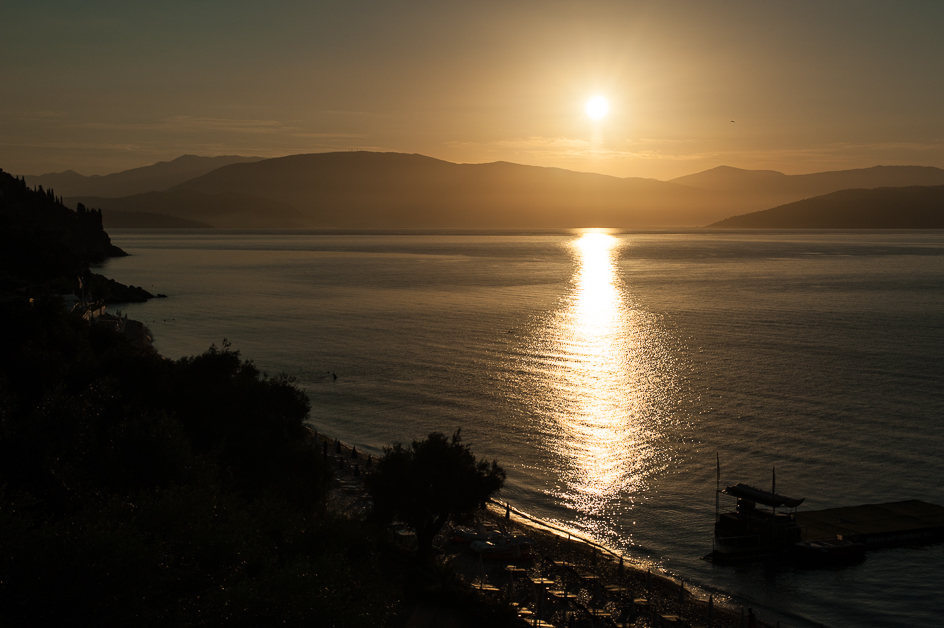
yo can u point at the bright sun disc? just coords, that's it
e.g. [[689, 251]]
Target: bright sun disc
[[597, 107]]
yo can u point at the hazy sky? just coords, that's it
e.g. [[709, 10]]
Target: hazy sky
[[810, 85]]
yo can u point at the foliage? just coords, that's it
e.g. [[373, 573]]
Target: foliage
[[44, 242], [430, 482], [136, 490]]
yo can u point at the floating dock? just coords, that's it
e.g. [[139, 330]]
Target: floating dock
[[911, 522], [779, 528]]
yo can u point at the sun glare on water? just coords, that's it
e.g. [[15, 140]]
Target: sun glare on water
[[597, 107], [600, 384]]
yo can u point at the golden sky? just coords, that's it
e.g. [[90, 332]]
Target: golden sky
[[796, 86]]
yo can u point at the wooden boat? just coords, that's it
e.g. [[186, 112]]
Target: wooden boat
[[750, 531]]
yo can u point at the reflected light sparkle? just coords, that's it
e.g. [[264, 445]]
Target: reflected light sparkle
[[602, 382]]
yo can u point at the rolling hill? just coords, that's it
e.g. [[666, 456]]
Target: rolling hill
[[396, 190], [764, 189], [153, 178], [118, 219], [916, 207], [187, 208]]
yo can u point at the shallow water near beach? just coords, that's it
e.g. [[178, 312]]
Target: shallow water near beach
[[606, 370]]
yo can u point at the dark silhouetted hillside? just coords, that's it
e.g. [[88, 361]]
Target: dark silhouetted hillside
[[396, 190], [224, 210], [156, 177], [142, 491], [913, 207], [42, 240]]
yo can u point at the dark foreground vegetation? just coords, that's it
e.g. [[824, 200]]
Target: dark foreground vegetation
[[136, 490], [431, 482]]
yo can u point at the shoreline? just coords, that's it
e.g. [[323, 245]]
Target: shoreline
[[665, 596]]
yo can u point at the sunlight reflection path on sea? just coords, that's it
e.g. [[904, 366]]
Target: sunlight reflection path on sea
[[600, 377]]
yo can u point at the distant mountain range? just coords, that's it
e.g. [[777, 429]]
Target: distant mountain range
[[917, 207], [119, 219], [153, 178], [768, 188], [397, 190], [187, 208]]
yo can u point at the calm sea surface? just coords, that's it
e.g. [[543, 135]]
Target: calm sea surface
[[605, 370]]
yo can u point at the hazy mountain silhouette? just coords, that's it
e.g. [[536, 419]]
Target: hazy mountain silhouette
[[117, 219], [226, 210], [156, 177], [767, 188], [397, 190], [916, 207]]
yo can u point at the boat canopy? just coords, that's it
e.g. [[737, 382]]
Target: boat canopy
[[761, 497]]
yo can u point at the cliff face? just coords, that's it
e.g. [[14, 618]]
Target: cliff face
[[42, 240]]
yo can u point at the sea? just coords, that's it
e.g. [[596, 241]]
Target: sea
[[612, 374]]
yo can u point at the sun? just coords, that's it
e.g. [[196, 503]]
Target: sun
[[597, 107]]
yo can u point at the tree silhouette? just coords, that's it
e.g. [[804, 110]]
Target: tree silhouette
[[430, 482]]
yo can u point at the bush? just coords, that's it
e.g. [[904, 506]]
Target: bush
[[430, 482]]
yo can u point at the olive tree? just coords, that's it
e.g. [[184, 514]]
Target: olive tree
[[426, 484]]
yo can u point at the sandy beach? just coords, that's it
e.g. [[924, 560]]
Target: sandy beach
[[569, 581]]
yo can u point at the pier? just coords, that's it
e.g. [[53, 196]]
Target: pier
[[756, 529], [910, 522]]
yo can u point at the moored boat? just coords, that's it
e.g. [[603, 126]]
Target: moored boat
[[755, 528]]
